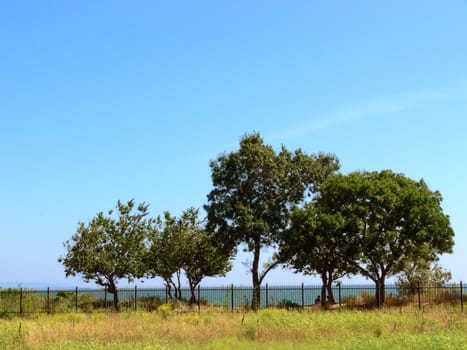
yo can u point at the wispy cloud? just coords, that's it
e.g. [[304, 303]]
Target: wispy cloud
[[375, 109]]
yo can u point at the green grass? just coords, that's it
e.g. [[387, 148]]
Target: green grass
[[267, 329]]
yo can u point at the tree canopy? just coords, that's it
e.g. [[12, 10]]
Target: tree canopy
[[390, 220], [253, 192], [109, 248], [183, 245], [202, 257], [165, 253], [316, 243]]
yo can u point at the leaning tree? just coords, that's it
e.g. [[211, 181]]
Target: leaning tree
[[109, 247]]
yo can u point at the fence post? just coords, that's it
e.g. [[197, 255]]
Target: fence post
[[232, 295], [419, 297], [340, 295], [48, 300], [303, 296], [462, 298], [199, 298], [267, 295], [136, 298], [105, 298], [21, 301], [76, 299]]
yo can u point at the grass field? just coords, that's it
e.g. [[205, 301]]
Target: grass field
[[211, 329]]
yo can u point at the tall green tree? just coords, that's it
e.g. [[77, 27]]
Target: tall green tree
[[253, 192], [391, 220], [109, 247], [315, 243]]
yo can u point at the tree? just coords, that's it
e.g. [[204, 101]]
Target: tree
[[109, 248], [391, 220], [202, 257], [422, 273], [254, 190], [315, 244], [165, 253], [182, 244]]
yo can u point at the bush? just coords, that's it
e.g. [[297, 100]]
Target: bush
[[149, 303], [288, 304], [10, 300], [165, 310], [65, 301], [364, 300]]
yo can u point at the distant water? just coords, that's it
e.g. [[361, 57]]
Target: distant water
[[36, 285], [225, 296]]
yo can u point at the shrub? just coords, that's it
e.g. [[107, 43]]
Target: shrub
[[165, 310], [149, 303], [364, 300], [288, 304]]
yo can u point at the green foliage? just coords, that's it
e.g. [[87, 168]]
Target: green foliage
[[15, 300], [315, 244], [165, 253], [288, 304], [390, 220], [183, 244], [165, 310], [65, 301], [9, 301], [201, 257], [34, 302], [253, 191], [149, 303], [422, 273], [109, 248]]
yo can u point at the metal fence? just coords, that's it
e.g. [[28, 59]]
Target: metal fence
[[22, 301]]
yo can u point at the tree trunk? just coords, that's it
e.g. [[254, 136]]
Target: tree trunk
[[193, 292], [169, 289], [330, 299], [256, 301], [324, 282], [179, 286], [113, 290], [380, 292]]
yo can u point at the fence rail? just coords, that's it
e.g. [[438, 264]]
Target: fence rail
[[425, 298]]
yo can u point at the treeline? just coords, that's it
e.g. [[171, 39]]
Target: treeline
[[376, 224]]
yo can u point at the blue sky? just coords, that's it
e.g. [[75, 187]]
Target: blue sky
[[112, 100]]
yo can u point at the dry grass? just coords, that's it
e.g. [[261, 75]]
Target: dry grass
[[126, 328], [170, 329]]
